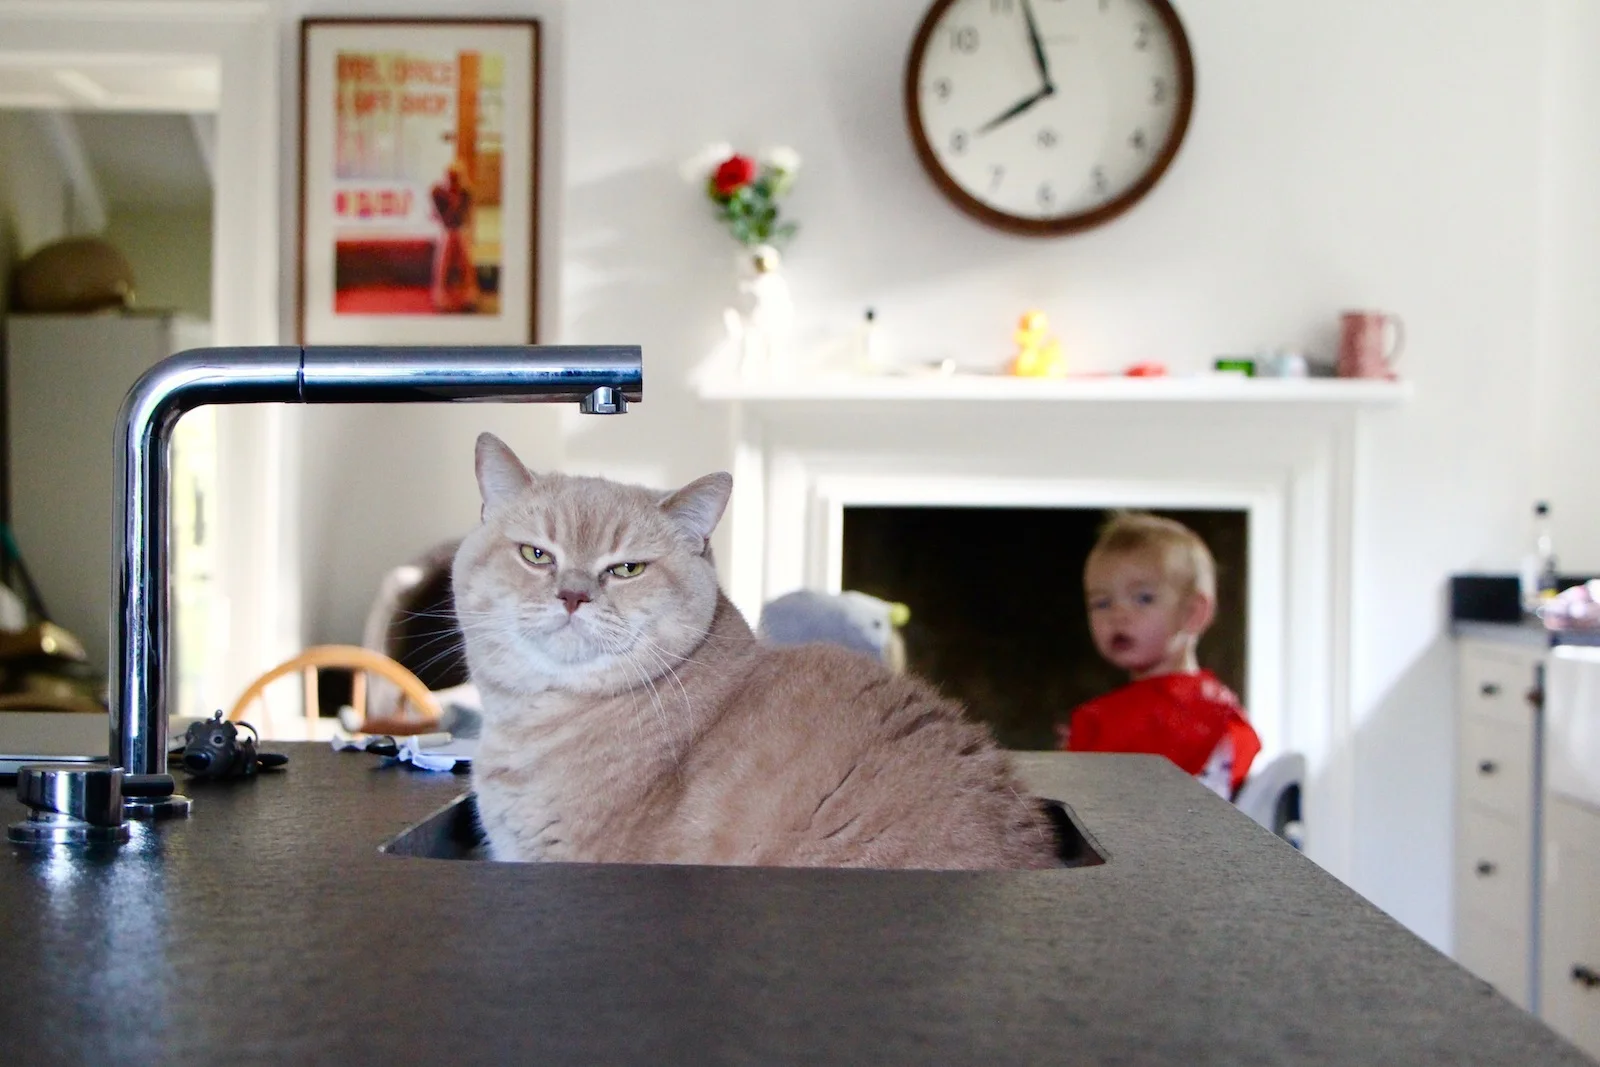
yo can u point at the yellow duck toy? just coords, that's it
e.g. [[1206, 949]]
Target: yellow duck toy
[[1038, 351]]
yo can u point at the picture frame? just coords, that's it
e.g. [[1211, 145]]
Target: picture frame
[[419, 181]]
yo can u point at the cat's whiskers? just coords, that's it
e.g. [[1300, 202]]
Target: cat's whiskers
[[452, 635], [688, 707], [634, 720], [709, 671], [621, 654], [451, 651], [667, 661]]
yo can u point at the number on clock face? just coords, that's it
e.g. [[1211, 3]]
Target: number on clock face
[[1049, 114]]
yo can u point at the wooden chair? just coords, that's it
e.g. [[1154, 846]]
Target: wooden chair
[[359, 661]]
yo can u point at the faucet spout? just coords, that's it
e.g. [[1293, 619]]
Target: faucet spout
[[600, 379]]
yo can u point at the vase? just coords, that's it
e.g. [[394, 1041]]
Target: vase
[[765, 315]]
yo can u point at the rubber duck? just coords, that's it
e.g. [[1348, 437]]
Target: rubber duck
[[1038, 351]]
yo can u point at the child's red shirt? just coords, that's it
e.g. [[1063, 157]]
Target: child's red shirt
[[1181, 716]]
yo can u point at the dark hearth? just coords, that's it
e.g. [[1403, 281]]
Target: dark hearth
[[997, 613]]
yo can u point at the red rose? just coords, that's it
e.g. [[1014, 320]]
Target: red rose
[[734, 174]]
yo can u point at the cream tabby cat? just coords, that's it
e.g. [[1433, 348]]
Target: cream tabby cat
[[631, 716]]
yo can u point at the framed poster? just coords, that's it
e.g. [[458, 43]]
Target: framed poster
[[419, 160]]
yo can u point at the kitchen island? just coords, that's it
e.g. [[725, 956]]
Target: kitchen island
[[269, 928]]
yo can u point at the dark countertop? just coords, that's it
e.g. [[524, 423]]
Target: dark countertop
[[269, 929]]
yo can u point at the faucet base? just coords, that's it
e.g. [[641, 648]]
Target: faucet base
[[155, 809], [56, 828]]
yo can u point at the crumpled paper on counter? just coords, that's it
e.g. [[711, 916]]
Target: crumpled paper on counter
[[426, 752]]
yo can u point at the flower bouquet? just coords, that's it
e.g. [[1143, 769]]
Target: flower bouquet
[[745, 191]]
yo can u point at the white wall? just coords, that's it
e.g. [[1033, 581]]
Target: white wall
[[383, 484], [1568, 387], [169, 249], [1371, 152], [33, 191]]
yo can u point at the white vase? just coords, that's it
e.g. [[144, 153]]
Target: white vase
[[765, 317]]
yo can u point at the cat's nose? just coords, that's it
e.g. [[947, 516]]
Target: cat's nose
[[572, 598]]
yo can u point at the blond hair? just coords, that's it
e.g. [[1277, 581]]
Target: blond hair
[[1183, 557]]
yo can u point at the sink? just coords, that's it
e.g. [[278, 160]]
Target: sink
[[453, 833]]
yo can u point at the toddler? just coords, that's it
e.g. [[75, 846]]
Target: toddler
[[1151, 589]]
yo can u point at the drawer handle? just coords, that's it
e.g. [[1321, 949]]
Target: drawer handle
[[1585, 976], [1488, 766], [1486, 868], [1490, 689]]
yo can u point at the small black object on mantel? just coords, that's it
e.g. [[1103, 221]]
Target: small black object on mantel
[[214, 748]]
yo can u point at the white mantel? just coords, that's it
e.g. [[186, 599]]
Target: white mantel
[[1279, 449], [1214, 388]]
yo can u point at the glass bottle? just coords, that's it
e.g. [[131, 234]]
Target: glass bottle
[[1538, 578]]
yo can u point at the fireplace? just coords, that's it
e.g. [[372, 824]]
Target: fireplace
[[997, 606], [814, 457]]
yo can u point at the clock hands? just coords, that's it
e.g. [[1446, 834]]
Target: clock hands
[[1047, 87], [1038, 46], [1017, 109]]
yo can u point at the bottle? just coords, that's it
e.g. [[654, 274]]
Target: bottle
[[870, 347], [1538, 578]]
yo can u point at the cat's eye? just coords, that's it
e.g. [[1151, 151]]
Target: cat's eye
[[537, 556], [626, 570]]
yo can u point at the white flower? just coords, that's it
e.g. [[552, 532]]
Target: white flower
[[699, 167], [782, 159]]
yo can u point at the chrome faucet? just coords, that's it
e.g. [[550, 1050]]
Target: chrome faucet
[[600, 379]]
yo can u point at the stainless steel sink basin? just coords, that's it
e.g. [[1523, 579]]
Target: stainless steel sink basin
[[453, 833]]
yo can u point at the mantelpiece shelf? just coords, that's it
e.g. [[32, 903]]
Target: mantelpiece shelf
[[978, 387]]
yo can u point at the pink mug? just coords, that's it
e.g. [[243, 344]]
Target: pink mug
[[1369, 344]]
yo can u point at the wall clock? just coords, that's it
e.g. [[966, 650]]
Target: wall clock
[[1048, 117]]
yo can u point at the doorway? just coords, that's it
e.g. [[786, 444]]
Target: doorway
[[108, 166], [136, 47]]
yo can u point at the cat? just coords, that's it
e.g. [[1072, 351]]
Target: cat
[[630, 714]]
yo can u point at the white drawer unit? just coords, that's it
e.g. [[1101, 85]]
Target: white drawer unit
[[1494, 870], [1498, 679], [1496, 765], [1496, 854], [1570, 969], [1498, 953]]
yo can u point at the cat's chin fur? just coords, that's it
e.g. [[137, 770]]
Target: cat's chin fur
[[637, 719], [570, 655]]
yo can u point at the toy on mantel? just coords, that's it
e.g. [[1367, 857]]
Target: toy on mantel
[[1038, 351], [858, 621]]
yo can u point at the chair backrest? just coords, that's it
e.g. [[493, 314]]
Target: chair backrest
[[359, 661]]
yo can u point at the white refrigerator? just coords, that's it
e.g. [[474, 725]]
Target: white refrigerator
[[65, 379]]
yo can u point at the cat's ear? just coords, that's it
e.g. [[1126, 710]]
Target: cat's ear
[[500, 473], [698, 506]]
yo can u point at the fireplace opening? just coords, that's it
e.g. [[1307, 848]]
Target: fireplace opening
[[997, 610]]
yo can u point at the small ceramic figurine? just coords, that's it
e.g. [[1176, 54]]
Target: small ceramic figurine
[[1038, 351]]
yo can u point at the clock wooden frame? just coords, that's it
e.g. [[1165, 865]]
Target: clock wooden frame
[[1065, 224]]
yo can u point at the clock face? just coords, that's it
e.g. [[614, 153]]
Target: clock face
[[1048, 116]]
